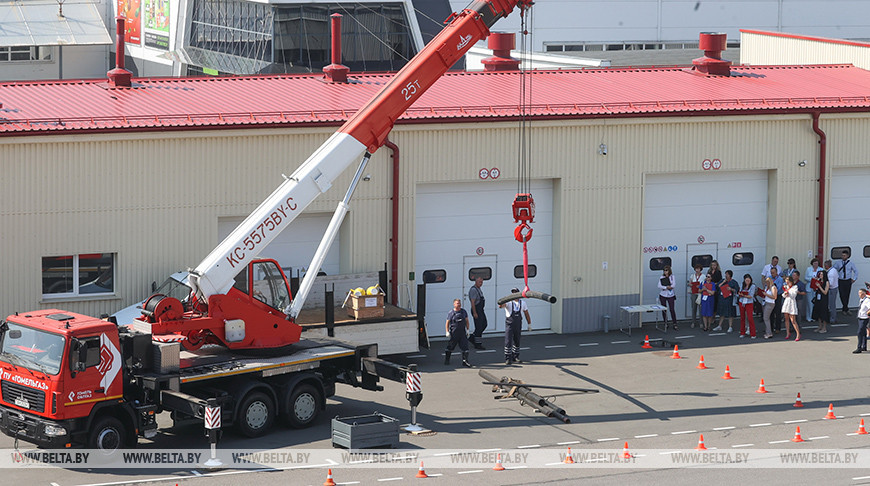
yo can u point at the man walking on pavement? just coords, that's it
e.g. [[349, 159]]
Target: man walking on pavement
[[847, 273], [513, 327], [478, 301], [863, 317], [457, 329]]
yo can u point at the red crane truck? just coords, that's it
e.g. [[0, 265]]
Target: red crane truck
[[69, 379]]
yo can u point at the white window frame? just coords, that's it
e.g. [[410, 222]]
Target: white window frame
[[76, 284]]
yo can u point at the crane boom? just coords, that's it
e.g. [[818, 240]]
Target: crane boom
[[365, 131]]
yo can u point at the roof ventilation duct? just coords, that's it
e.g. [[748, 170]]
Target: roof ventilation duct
[[501, 44], [336, 72], [119, 77], [712, 43]]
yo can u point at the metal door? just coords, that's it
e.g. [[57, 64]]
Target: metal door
[[702, 253]]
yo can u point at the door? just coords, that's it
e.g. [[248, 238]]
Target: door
[[701, 254], [485, 267]]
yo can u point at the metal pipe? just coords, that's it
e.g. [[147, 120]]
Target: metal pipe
[[527, 396], [531, 294], [394, 225], [823, 149]]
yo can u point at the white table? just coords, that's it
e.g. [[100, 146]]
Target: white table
[[638, 309]]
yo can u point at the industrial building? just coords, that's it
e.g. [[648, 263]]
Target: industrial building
[[107, 188]]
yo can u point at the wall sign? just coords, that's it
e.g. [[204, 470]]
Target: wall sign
[[483, 174], [701, 239], [714, 164], [479, 251], [494, 172]]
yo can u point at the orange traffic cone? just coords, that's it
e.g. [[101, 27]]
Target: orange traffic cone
[[329, 480], [701, 365], [498, 466], [761, 388], [861, 429], [569, 459], [421, 473], [676, 354], [701, 446], [646, 342], [797, 435], [625, 453], [727, 375], [797, 402], [830, 415]]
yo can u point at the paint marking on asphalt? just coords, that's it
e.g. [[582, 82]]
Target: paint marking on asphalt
[[555, 346], [569, 442], [760, 425], [671, 452], [819, 437], [716, 334], [194, 472], [487, 450], [645, 436], [619, 342], [854, 433], [361, 461], [839, 325], [608, 439], [435, 475], [724, 428], [529, 446], [53, 484], [516, 467], [525, 349], [864, 414], [390, 479], [683, 337], [588, 344], [684, 432], [779, 441], [795, 421], [445, 454], [860, 478], [470, 472], [554, 463], [485, 351], [349, 482], [743, 445], [414, 356]]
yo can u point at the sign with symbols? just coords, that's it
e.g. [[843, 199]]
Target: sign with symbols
[[212, 417], [479, 251], [706, 164], [716, 164], [494, 172], [701, 239], [483, 174]]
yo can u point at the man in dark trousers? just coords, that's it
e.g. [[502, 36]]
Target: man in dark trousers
[[847, 273], [478, 301], [863, 318], [457, 329], [513, 326]]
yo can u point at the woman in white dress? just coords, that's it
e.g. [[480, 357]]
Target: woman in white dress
[[789, 307]]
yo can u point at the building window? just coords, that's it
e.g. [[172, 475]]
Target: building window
[[434, 276], [482, 272], [837, 252], [78, 275], [738, 259], [518, 271], [867, 251], [25, 53], [659, 263], [703, 260]]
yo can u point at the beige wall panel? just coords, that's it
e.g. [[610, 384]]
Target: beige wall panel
[[759, 49]]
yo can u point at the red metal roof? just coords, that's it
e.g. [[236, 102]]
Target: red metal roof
[[190, 103]]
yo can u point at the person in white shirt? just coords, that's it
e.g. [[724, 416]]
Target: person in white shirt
[[774, 263], [863, 317], [770, 294], [667, 296], [812, 270], [833, 283], [747, 297], [847, 273], [513, 327], [694, 290]]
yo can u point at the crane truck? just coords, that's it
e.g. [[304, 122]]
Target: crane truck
[[68, 379]]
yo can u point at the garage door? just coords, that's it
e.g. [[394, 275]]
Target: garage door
[[295, 246], [700, 217], [467, 229], [850, 204]]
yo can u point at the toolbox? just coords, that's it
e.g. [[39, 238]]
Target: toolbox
[[365, 431]]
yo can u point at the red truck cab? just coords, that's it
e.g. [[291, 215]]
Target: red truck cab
[[57, 369]]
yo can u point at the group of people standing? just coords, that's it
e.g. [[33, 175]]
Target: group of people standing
[[783, 295], [457, 326]]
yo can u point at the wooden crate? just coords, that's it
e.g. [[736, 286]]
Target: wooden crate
[[366, 306]]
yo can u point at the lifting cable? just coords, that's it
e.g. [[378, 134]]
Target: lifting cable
[[523, 206]]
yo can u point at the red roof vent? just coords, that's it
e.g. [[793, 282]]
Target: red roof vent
[[501, 44], [119, 77], [336, 72], [712, 43]]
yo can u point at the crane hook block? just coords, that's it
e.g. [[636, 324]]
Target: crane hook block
[[524, 208]]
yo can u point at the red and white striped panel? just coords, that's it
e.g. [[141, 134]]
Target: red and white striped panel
[[168, 338], [412, 383], [212, 417]]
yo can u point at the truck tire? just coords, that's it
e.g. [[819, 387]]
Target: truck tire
[[255, 415], [107, 435], [302, 406]]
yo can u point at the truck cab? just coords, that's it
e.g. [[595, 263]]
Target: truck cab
[[57, 369]]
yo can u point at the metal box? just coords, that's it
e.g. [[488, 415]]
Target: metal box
[[167, 357], [365, 431]]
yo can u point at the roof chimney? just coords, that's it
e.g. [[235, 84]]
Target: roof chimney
[[336, 72], [501, 44], [713, 43], [119, 77]]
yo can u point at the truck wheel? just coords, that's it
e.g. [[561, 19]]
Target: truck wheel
[[256, 414], [302, 406], [107, 435]]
